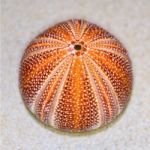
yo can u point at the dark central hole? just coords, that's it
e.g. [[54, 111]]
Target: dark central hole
[[77, 47]]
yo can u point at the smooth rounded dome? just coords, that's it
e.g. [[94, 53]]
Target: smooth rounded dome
[[75, 76]]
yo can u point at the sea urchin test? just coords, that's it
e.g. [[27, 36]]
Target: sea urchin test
[[75, 76]]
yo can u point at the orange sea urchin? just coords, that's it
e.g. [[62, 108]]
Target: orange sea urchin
[[75, 76]]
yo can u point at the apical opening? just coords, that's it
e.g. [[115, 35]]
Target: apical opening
[[77, 47]]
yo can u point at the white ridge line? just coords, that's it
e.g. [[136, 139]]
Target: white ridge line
[[114, 94], [82, 28], [43, 50], [72, 28], [42, 88], [52, 112], [68, 30], [48, 39], [85, 32], [98, 99], [101, 40], [125, 57]]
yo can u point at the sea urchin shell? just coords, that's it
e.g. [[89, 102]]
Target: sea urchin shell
[[75, 76]]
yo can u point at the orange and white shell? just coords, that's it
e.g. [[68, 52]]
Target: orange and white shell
[[75, 76]]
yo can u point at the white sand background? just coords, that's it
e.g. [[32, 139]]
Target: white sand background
[[22, 20]]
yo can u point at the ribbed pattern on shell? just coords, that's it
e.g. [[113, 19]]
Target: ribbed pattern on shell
[[76, 89]]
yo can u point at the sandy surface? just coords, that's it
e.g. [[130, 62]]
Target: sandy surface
[[22, 20]]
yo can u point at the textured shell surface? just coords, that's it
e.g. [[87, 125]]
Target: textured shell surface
[[75, 76]]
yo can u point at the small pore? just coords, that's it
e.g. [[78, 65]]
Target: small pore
[[77, 47]]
